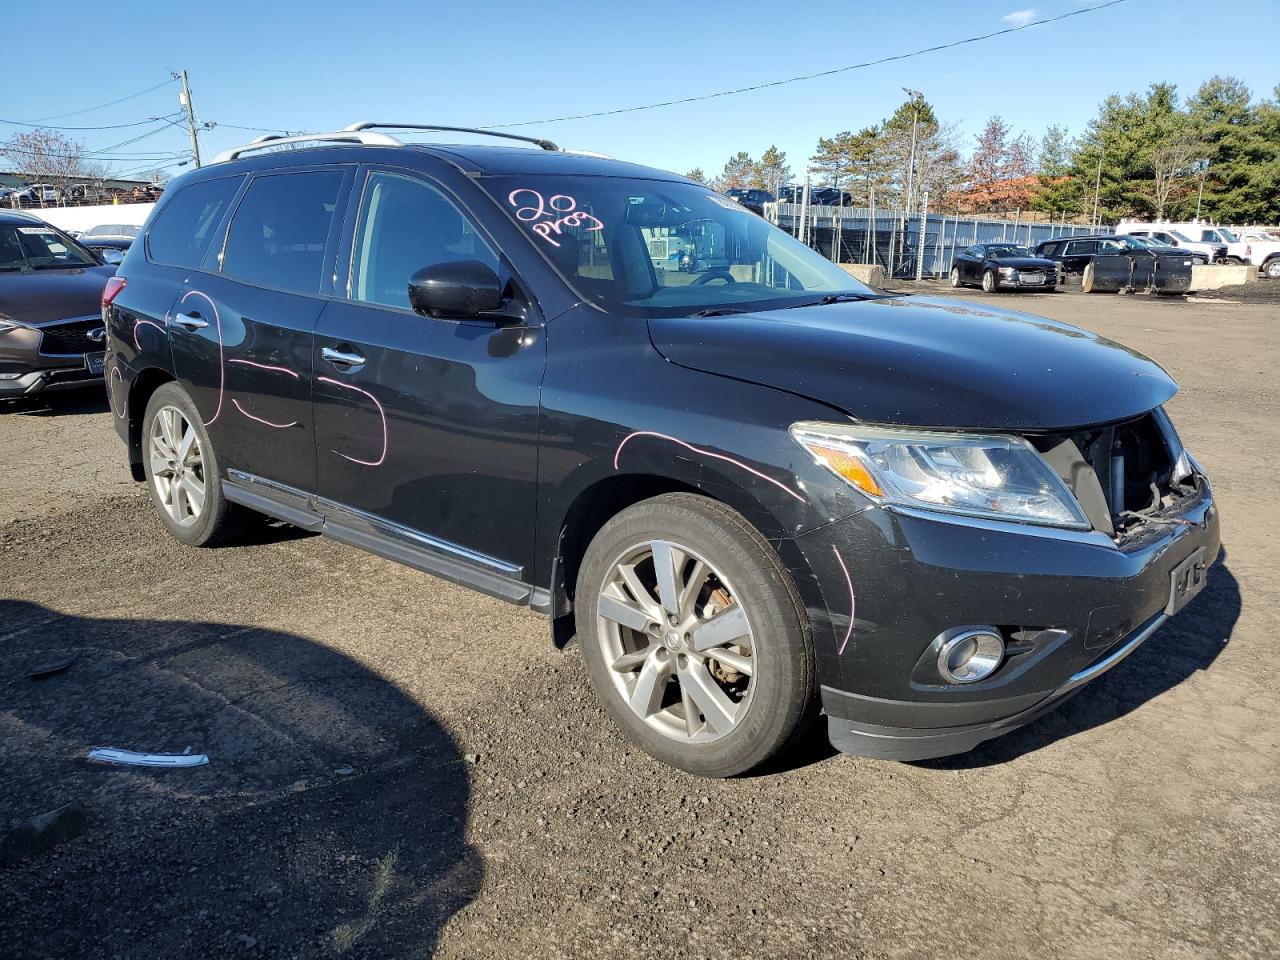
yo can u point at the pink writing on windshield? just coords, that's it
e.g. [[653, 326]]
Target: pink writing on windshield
[[547, 217]]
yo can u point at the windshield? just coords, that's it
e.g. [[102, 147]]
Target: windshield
[[655, 248], [112, 230], [1007, 250], [40, 248]]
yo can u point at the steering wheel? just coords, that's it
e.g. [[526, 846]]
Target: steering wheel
[[719, 273]]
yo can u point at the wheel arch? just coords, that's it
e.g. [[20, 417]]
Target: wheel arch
[[143, 385], [608, 496]]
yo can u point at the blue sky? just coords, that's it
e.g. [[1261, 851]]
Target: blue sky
[[321, 65]]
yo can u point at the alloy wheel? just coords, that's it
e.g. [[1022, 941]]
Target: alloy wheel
[[177, 466], [677, 640], [955, 277]]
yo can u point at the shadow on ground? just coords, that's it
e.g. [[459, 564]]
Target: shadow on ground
[[330, 820], [1186, 644], [88, 399]]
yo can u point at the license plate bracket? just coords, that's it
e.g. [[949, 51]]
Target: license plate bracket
[[1186, 580], [93, 362]]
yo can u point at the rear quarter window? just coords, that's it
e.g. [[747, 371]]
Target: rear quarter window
[[184, 226]]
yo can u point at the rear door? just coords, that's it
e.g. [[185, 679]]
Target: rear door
[[1077, 255], [243, 326], [426, 429]]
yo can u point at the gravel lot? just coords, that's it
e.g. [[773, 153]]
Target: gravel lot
[[399, 767]]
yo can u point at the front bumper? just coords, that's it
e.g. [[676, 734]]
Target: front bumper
[[48, 378], [1071, 605]]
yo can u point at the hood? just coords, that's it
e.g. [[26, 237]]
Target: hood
[[1025, 263], [925, 362], [42, 295]]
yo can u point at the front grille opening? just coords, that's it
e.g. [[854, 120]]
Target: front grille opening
[[70, 338], [1122, 474]]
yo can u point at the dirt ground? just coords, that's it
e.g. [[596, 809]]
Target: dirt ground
[[400, 768]]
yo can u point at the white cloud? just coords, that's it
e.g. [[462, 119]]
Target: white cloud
[[1019, 18]]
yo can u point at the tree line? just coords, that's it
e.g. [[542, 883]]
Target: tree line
[[1143, 155]]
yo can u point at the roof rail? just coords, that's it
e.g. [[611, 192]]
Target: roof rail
[[369, 125], [279, 140]]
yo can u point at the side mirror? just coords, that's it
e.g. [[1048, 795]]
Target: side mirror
[[459, 288]]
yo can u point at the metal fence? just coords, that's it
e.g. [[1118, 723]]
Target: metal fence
[[922, 245]]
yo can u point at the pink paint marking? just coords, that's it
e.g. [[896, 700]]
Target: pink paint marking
[[382, 413], [536, 208], [706, 453], [265, 366], [222, 364], [853, 601], [112, 379], [268, 423], [145, 323]]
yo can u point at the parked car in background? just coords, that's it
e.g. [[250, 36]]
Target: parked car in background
[[109, 249], [751, 198], [1258, 248], [1184, 236], [473, 360], [125, 230], [1110, 263], [1003, 266], [51, 327], [830, 197]]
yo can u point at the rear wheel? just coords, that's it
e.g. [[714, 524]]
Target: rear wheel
[[694, 636], [989, 282], [955, 276], [182, 471], [1271, 269]]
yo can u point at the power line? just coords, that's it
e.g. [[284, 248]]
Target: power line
[[109, 126], [103, 106], [812, 76]]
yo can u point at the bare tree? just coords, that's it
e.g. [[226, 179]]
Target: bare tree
[[1173, 161], [47, 157]]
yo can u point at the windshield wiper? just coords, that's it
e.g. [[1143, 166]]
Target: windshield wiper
[[716, 312], [840, 298]]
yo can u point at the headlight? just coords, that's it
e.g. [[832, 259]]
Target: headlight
[[6, 325], [1008, 271], [999, 477]]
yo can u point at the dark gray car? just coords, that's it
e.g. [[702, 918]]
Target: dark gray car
[[51, 331]]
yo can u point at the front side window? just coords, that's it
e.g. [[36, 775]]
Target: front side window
[[405, 225], [279, 231], [184, 226], [658, 248]]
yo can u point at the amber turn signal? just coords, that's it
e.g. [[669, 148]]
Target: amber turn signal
[[849, 467]]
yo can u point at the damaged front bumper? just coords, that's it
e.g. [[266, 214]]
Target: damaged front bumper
[[1070, 605]]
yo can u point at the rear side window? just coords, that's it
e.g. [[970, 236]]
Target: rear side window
[[185, 225], [280, 229]]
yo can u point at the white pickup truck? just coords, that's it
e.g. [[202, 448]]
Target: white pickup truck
[[1257, 247]]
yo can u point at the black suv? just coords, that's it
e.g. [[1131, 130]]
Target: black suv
[[756, 490], [1109, 262]]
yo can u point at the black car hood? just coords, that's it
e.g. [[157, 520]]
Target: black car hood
[[40, 295], [925, 362], [1025, 263]]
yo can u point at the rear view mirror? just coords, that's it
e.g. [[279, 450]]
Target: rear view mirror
[[458, 288]]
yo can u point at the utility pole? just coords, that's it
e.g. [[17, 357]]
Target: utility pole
[[185, 99], [1200, 196], [1097, 184], [916, 96]]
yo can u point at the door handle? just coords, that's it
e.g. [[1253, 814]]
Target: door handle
[[341, 358], [191, 321]]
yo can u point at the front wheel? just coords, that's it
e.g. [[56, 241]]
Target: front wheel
[[955, 276], [989, 282], [1271, 269], [182, 471], [694, 636]]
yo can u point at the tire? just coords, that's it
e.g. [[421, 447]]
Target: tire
[[1086, 280], [955, 277], [989, 282], [214, 519], [1271, 269], [682, 721]]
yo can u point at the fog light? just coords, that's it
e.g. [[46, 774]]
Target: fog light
[[971, 655]]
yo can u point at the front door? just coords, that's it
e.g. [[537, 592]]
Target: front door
[[426, 429], [243, 329]]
